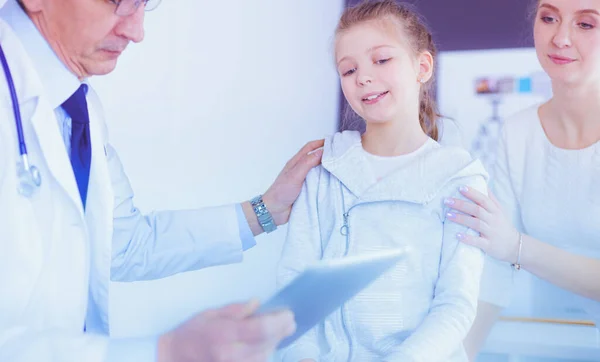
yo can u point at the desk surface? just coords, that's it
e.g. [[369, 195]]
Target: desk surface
[[544, 340]]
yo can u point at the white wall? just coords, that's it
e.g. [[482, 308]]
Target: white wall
[[458, 71], [206, 111]]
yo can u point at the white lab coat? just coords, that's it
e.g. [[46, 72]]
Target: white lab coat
[[56, 260]]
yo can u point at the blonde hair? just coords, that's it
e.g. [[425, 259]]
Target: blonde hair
[[420, 40]]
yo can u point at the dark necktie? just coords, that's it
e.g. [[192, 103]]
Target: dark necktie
[[81, 148]]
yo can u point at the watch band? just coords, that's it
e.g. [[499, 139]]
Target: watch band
[[264, 216]]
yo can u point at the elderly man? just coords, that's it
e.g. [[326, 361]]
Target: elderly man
[[67, 220]]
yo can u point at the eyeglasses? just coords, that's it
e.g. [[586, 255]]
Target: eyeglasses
[[128, 7]]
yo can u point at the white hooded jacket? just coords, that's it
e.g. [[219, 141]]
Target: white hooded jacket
[[422, 309]]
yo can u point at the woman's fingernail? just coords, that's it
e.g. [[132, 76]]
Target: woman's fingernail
[[460, 236], [449, 201], [464, 189], [451, 215]]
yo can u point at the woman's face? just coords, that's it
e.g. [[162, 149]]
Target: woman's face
[[567, 40]]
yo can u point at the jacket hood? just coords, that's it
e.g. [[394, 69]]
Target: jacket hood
[[419, 182]]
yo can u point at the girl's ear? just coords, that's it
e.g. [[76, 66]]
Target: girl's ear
[[425, 67]]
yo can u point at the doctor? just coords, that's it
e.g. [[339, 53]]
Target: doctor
[[68, 224]]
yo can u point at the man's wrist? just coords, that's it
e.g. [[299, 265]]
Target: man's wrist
[[251, 218], [280, 214], [263, 215]]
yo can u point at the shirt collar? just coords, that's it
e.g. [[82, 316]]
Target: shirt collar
[[58, 81]]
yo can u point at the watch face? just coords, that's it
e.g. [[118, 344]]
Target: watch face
[[261, 210]]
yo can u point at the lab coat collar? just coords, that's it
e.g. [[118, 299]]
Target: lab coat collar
[[29, 88]]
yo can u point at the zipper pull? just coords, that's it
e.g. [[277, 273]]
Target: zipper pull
[[344, 229]]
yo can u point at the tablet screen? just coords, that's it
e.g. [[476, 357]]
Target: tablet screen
[[323, 288]]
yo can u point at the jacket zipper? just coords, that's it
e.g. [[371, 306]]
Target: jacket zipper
[[345, 231]]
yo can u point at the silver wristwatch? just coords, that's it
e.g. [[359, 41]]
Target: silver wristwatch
[[264, 216]]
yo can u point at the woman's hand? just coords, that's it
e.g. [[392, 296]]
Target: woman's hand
[[498, 237]]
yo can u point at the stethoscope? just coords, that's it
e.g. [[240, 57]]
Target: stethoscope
[[29, 176]]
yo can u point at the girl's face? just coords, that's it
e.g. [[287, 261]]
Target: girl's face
[[379, 73]]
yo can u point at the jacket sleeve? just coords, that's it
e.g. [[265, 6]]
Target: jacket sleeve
[[454, 304], [302, 248]]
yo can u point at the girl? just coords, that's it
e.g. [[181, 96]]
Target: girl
[[547, 175], [384, 189]]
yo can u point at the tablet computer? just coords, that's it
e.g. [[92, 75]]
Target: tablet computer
[[326, 286]]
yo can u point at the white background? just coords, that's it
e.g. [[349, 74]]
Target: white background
[[456, 85]]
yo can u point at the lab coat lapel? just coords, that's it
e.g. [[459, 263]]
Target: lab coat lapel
[[43, 119], [53, 150]]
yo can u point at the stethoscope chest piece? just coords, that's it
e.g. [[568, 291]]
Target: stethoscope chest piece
[[29, 179]]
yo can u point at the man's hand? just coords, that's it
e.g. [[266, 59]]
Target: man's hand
[[228, 334], [282, 194]]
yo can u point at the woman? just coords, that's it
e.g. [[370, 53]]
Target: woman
[[546, 218]]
